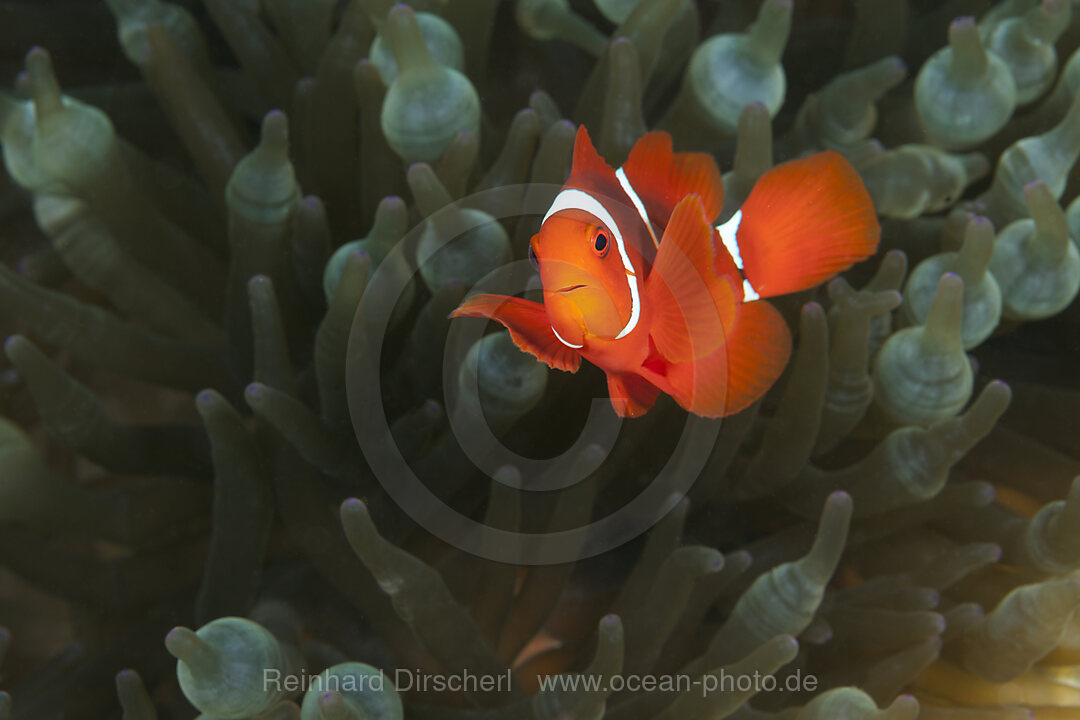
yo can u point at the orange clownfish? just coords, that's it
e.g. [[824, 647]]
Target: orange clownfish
[[638, 280]]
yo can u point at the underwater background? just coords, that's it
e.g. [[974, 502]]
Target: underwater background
[[232, 231]]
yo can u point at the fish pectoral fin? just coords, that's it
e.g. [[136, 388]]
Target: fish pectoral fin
[[662, 178], [529, 327], [740, 371], [631, 395], [690, 305], [805, 221]]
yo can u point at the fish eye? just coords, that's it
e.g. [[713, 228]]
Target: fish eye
[[600, 242], [532, 257]]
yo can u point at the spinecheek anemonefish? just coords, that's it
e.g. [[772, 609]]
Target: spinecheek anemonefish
[[638, 281]]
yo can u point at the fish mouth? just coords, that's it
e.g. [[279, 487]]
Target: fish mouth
[[569, 288]]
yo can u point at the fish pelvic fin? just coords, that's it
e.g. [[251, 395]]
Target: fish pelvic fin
[[631, 395]]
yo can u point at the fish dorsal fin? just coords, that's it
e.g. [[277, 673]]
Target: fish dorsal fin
[[805, 221], [691, 306], [739, 372], [529, 327], [662, 178], [589, 171]]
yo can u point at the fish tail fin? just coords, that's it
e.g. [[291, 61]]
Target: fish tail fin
[[631, 395], [740, 371], [804, 222], [529, 327]]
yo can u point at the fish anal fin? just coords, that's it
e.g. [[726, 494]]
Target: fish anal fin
[[805, 221], [662, 178], [631, 395], [691, 306], [740, 372], [529, 327]]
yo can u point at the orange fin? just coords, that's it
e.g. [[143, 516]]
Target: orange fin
[[631, 395], [741, 371], [589, 170], [528, 324], [662, 178], [691, 306], [804, 222]]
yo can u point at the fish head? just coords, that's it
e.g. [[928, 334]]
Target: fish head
[[586, 284]]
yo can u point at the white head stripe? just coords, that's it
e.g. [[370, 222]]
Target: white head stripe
[[727, 234], [638, 205], [573, 199], [563, 341]]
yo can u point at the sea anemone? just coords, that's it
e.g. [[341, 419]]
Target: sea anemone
[[249, 466]]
